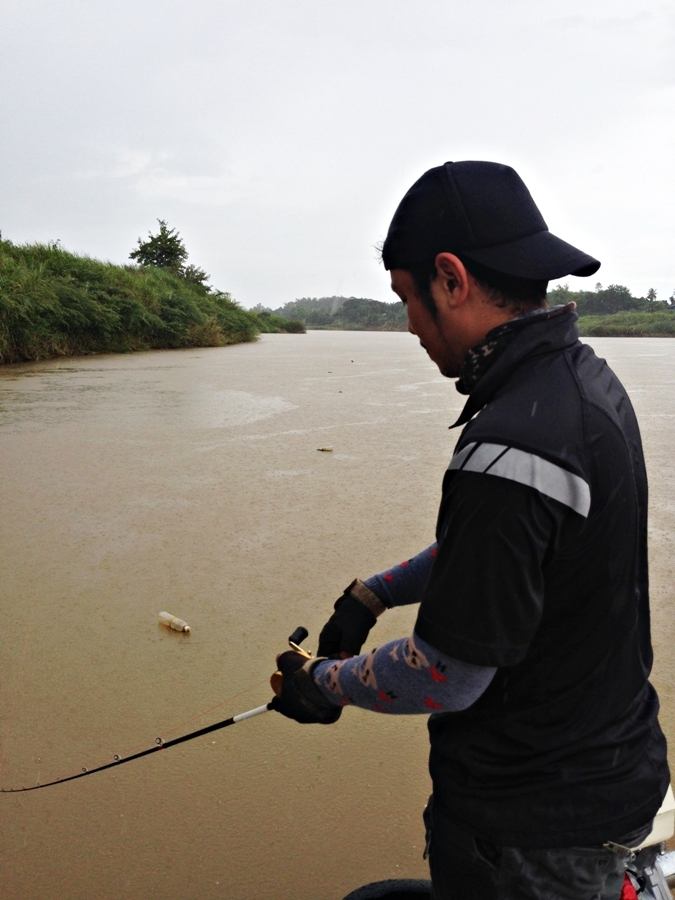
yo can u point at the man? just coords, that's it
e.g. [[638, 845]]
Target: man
[[532, 646]]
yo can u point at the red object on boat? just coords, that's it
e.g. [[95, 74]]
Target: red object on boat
[[628, 892]]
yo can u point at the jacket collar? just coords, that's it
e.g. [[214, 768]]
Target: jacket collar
[[541, 331]]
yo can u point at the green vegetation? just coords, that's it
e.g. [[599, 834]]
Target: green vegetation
[[54, 303], [629, 324], [268, 322], [614, 312], [344, 313], [603, 311], [166, 250], [613, 299]]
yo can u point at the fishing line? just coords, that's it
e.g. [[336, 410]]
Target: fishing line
[[294, 640]]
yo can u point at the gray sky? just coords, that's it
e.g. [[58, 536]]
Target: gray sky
[[278, 136]]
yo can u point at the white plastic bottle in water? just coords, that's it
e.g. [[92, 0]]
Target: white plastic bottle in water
[[173, 622]]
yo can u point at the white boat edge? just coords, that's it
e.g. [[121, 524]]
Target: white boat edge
[[664, 822]]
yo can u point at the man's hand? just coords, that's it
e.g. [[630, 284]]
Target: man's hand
[[355, 614], [299, 697]]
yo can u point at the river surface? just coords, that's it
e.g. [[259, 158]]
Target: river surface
[[192, 481]]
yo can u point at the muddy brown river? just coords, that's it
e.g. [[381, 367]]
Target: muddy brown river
[[192, 481]]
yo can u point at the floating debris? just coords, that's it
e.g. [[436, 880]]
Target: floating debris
[[325, 449], [173, 622]]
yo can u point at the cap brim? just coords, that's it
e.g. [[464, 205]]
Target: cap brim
[[537, 256]]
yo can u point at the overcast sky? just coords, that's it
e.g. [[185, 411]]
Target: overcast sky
[[278, 136]]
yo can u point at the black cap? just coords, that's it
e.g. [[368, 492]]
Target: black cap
[[484, 212]]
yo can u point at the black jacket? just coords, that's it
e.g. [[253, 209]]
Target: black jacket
[[542, 572]]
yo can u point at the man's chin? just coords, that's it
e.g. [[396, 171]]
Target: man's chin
[[445, 368], [448, 371]]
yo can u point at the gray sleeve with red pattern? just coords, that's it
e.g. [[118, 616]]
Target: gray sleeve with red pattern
[[402, 677], [404, 583]]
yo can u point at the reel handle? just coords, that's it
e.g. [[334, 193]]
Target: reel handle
[[294, 641], [298, 636]]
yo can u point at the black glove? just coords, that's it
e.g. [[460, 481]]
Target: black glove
[[299, 697], [356, 612]]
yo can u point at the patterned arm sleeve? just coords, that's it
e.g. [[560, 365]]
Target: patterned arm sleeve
[[405, 582], [402, 677]]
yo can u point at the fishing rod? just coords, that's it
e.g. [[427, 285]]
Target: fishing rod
[[294, 642]]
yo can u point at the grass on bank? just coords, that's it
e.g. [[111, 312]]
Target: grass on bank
[[55, 303], [629, 324]]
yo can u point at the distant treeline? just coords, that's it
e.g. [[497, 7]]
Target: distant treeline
[[344, 313], [611, 311], [604, 301], [55, 303]]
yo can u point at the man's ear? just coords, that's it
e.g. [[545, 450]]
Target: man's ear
[[452, 278]]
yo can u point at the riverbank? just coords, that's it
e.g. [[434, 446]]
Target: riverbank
[[622, 324], [610, 312], [55, 303], [629, 324]]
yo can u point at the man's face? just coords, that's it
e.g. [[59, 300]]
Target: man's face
[[440, 335]]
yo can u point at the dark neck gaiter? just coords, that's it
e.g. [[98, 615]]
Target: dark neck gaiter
[[479, 358]]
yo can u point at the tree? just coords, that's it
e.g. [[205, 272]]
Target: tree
[[164, 250], [614, 298], [560, 294], [651, 295]]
